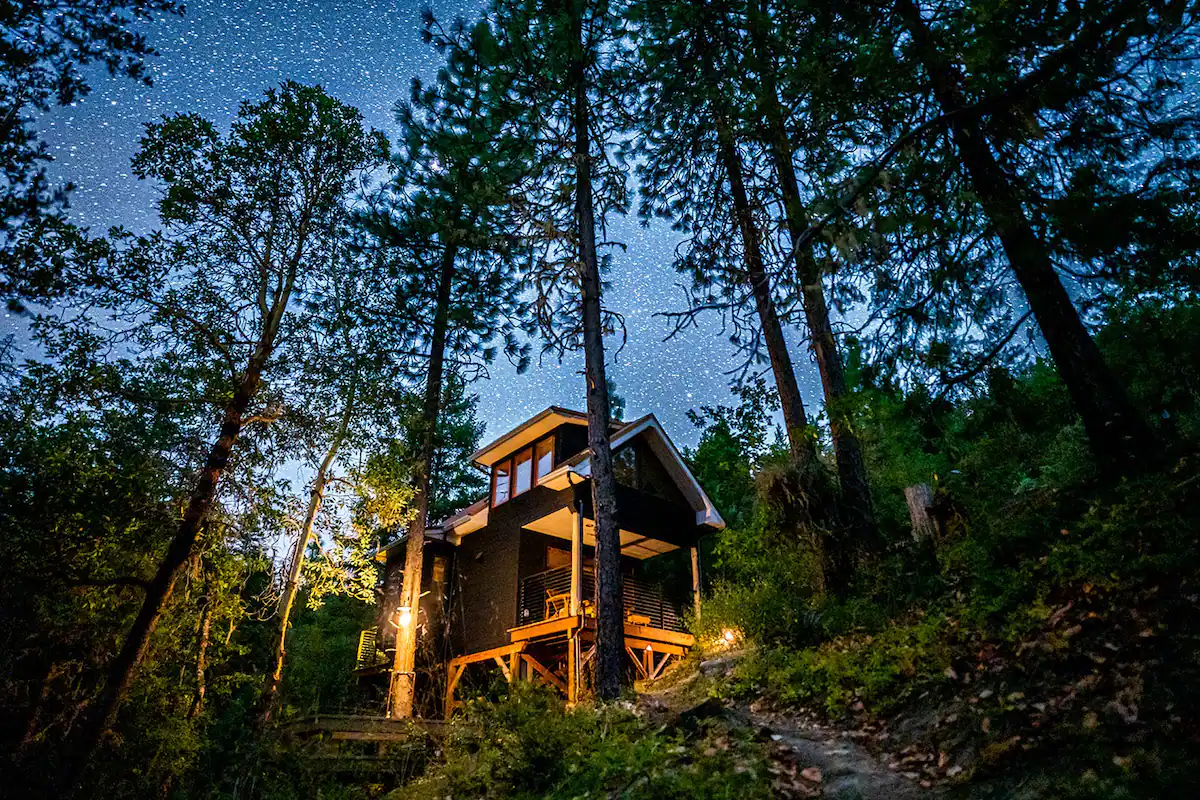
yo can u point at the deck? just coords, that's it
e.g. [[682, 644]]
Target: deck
[[544, 652]]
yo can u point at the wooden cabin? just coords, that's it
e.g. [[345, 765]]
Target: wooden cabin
[[508, 582]]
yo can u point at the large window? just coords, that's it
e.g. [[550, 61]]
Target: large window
[[544, 457], [523, 472], [519, 474], [500, 482]]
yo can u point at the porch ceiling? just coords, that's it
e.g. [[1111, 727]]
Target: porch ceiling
[[558, 524]]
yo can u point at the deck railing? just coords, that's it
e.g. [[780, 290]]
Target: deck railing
[[542, 596]]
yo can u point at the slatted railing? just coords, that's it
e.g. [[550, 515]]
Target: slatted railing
[[642, 598], [366, 649]]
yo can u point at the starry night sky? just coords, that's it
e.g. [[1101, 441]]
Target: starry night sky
[[365, 52]]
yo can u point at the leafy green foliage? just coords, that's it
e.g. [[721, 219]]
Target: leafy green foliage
[[528, 746]]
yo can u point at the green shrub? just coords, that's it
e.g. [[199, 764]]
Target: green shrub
[[529, 746], [880, 670]]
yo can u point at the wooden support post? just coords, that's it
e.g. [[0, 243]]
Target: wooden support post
[[696, 578], [574, 656], [453, 673], [573, 672], [576, 563], [514, 666]]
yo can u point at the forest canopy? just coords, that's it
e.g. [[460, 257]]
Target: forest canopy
[[976, 221]]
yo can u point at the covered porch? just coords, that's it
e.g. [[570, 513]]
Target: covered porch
[[555, 632]]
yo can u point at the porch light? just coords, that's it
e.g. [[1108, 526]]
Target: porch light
[[405, 618]]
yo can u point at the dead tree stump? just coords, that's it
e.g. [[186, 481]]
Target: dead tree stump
[[920, 507]]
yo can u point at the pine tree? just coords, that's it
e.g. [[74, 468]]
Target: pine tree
[[1095, 41], [690, 149], [451, 204], [761, 25], [560, 57]]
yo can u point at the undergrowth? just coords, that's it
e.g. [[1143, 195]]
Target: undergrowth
[[527, 745], [1045, 642]]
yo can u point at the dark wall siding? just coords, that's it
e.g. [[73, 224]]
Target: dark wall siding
[[487, 586], [432, 606], [572, 440], [489, 563]]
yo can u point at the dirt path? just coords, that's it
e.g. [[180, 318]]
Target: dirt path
[[814, 760], [808, 759]]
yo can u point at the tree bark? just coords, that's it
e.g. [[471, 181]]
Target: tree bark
[[320, 482], [201, 656], [858, 509], [794, 417], [610, 614], [919, 498], [402, 690], [1119, 437], [158, 591]]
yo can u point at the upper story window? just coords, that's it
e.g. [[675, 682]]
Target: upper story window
[[500, 482], [544, 457], [523, 471]]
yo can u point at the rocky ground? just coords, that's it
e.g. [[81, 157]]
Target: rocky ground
[[807, 758]]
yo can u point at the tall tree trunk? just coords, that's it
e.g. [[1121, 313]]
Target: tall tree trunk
[[158, 590], [103, 713], [320, 482], [402, 690], [794, 417], [610, 613], [1118, 435], [202, 655], [852, 472]]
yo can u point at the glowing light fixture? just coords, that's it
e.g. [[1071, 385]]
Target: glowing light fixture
[[728, 635], [405, 618]]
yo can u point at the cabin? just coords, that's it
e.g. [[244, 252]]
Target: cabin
[[508, 582]]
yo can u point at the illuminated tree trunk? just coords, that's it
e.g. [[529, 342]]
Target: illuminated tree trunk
[[610, 614], [160, 587], [320, 482], [402, 690], [202, 656]]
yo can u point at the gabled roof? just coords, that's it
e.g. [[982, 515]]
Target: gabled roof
[[529, 430], [668, 454], [475, 516]]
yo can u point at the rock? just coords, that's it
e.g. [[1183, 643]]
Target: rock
[[812, 774], [718, 666], [712, 708]]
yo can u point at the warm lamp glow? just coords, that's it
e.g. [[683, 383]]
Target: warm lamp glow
[[405, 618], [728, 635]]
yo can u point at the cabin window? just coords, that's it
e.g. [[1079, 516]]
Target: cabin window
[[544, 457], [523, 472], [500, 482]]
